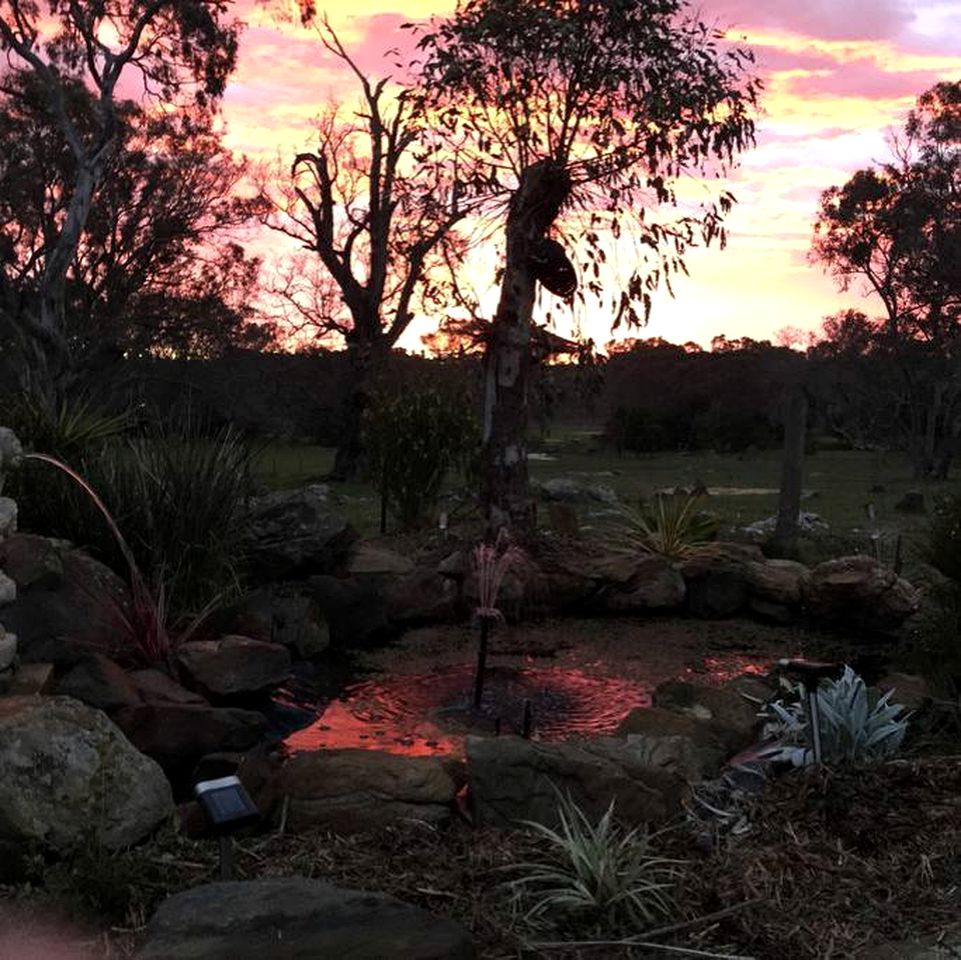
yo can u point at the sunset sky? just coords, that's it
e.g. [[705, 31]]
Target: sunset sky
[[839, 75]]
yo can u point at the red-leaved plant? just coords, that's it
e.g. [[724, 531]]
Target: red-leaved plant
[[143, 623]]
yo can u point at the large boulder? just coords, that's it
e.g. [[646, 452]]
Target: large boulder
[[66, 601], [352, 790], [99, 682], [297, 919], [295, 533], [698, 744], [354, 607], [177, 735], [233, 666], [730, 717], [67, 774], [858, 593], [292, 620], [513, 779], [717, 579], [423, 596], [154, 685], [636, 584], [776, 581]]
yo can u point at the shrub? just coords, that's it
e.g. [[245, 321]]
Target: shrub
[[673, 525], [414, 439], [853, 730], [594, 877], [75, 431], [180, 495]]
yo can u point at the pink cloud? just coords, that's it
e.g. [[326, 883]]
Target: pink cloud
[[827, 19]]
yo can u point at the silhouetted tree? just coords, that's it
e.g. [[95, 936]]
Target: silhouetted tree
[[376, 202], [592, 108], [897, 226], [180, 51], [154, 270]]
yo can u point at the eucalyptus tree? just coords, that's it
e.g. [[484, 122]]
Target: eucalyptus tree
[[606, 117], [156, 269], [896, 226], [176, 51], [376, 203]]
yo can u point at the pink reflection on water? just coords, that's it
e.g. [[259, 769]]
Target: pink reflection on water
[[430, 714]]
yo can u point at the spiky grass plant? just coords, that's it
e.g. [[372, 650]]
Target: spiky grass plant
[[672, 525], [594, 877], [853, 729]]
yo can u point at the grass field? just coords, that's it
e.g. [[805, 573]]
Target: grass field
[[840, 484]]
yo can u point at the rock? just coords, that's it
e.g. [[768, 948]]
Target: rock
[[513, 779], [99, 682], [776, 581], [651, 583], [356, 610], [422, 597], [293, 621], [177, 735], [233, 665], [564, 520], [11, 452], [154, 685], [911, 502], [731, 718], [717, 579], [908, 689], [602, 493], [8, 590], [296, 919], [455, 566], [809, 523], [8, 516], [354, 790], [770, 612], [8, 650], [68, 774], [561, 488], [64, 597], [31, 679], [369, 559], [707, 749], [860, 593], [294, 534], [32, 561]]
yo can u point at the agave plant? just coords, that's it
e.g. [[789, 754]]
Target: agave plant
[[594, 876], [673, 525], [853, 730]]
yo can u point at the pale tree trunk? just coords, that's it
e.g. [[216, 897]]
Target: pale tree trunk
[[543, 189], [789, 499]]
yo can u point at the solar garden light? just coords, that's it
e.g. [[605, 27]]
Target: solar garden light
[[228, 808], [811, 673]]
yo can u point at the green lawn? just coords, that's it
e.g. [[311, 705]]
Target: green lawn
[[841, 481]]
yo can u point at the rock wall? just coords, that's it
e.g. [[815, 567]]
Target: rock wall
[[10, 456]]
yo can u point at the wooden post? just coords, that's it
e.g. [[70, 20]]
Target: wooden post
[[792, 464]]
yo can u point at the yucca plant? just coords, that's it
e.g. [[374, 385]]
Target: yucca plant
[[594, 877], [672, 525], [853, 729]]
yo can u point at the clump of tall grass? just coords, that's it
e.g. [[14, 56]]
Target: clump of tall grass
[[594, 878]]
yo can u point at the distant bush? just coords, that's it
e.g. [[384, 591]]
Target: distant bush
[[414, 438]]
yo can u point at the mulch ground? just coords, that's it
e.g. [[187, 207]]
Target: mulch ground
[[835, 862]]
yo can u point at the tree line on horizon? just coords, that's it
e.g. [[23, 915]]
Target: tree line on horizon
[[563, 124]]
